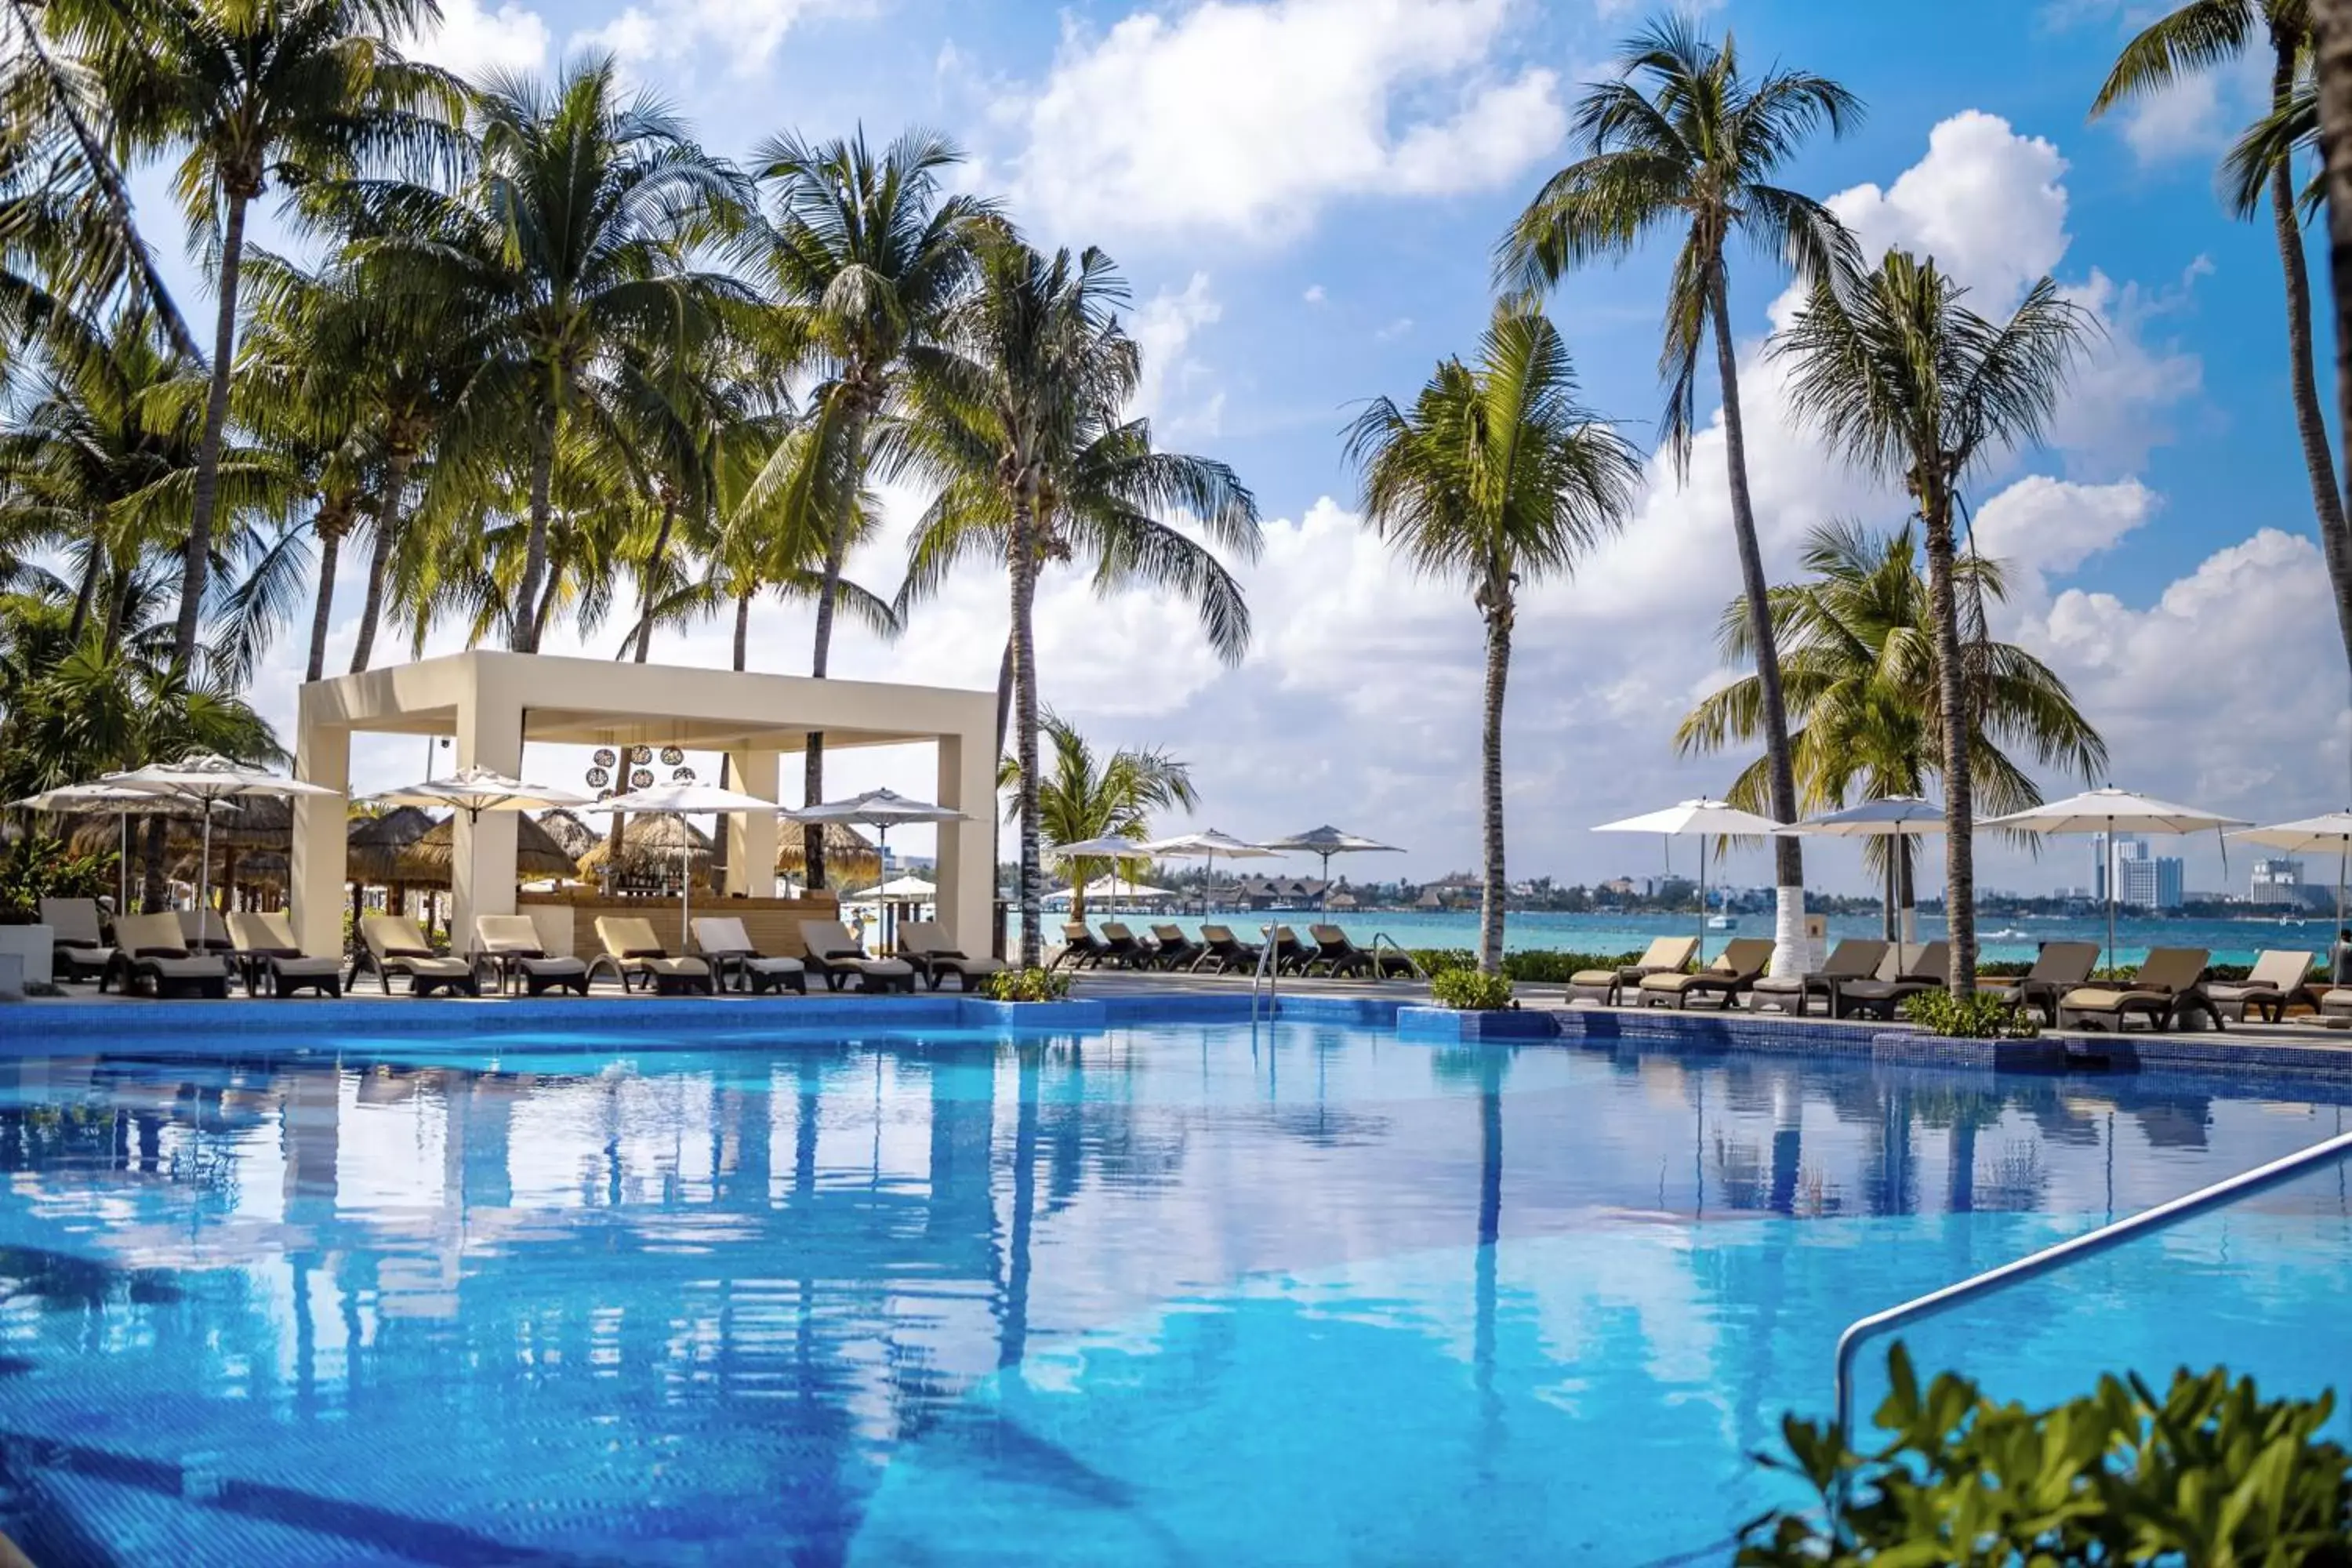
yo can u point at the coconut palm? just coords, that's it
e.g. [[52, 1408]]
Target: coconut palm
[[291, 89], [1857, 637], [1494, 478], [775, 539], [1912, 385], [863, 257], [2206, 34], [1088, 796], [1017, 416], [1682, 139]]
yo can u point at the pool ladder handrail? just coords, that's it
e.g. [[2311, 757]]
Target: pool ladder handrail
[[2090, 1244], [1378, 937], [1269, 966]]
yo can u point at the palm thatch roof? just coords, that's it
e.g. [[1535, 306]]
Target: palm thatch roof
[[848, 853], [378, 843], [650, 845], [425, 862], [575, 837]]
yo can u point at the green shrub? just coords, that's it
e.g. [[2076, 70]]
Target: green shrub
[[39, 866], [1025, 985], [1977, 1017], [1536, 966], [2208, 1472], [1469, 991]]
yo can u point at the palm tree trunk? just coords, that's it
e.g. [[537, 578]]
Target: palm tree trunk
[[330, 549], [742, 631], [1960, 812], [1025, 717], [197, 566], [524, 638], [151, 881], [828, 595], [86, 595], [2310, 421], [387, 535], [1004, 695], [1498, 669], [653, 574], [1788, 857]]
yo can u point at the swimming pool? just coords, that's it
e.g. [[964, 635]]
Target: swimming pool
[[1164, 1294]]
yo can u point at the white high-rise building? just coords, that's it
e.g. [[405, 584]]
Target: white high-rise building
[[2276, 881]]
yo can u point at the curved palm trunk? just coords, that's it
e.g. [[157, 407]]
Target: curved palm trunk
[[322, 610], [653, 576], [1959, 810], [388, 533], [1788, 857], [2310, 421], [197, 567], [86, 593], [151, 880], [1025, 717], [742, 631], [1490, 905], [528, 610], [2331, 22], [828, 596]]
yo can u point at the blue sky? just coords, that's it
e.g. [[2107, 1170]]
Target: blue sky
[[1303, 193]]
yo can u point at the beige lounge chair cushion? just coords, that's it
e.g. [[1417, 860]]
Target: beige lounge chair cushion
[[758, 966], [2100, 999], [304, 968], [74, 920], [508, 934], [928, 940], [1676, 984]]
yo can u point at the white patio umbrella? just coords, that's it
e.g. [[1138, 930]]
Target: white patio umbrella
[[1705, 818], [476, 790], [1113, 847], [2312, 834], [684, 800], [209, 779], [1897, 817], [126, 803], [1205, 848], [1327, 841], [881, 810], [2108, 811]]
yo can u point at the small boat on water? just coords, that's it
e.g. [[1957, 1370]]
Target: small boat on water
[[1722, 922]]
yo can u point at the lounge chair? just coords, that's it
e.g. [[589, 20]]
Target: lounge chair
[[2058, 968], [1336, 954], [2335, 1006], [148, 953], [925, 945], [2279, 980], [1736, 968], [512, 946], [1080, 948], [1912, 968], [81, 951], [1224, 952], [723, 939], [1176, 950], [394, 944], [1666, 955], [204, 931], [636, 958], [2164, 992], [1122, 947], [1855, 959], [835, 955], [266, 949], [1291, 956]]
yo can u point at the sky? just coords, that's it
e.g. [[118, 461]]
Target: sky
[[1305, 194]]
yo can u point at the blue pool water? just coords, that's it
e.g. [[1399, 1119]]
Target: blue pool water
[[1167, 1295]]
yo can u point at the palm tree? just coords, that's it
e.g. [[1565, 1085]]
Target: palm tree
[[1017, 416], [2205, 35], [865, 257], [1698, 151], [1087, 797], [1495, 478], [1858, 638], [295, 89], [2331, 28], [1913, 385]]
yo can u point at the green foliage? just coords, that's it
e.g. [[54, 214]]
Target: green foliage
[[2207, 1472], [1025, 985], [1539, 966], [37, 866], [1981, 1016], [1468, 991]]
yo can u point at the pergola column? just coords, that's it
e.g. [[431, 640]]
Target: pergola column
[[967, 850], [482, 852], [315, 880], [751, 839]]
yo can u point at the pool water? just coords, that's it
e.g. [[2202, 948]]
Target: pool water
[[1164, 1295]]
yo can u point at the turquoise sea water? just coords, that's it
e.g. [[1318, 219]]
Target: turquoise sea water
[[1168, 1295]]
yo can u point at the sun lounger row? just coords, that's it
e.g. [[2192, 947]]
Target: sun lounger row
[[1220, 951]]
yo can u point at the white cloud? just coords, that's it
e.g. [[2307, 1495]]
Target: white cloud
[[473, 38], [1984, 201], [748, 30], [1394, 331], [1165, 326], [1243, 117], [1314, 295], [2041, 528], [2198, 115]]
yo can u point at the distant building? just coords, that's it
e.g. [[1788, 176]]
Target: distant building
[[2276, 882], [2140, 876]]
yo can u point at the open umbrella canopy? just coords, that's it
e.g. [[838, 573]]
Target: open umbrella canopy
[[1328, 841], [907, 889], [877, 808], [1900, 816], [206, 776], [477, 790], [1206, 846], [1710, 818], [2310, 835], [1111, 847], [1103, 887], [695, 798], [2112, 809], [112, 799]]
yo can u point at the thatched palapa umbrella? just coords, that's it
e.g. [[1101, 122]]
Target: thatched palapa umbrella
[[377, 845], [651, 848], [844, 848], [572, 836], [537, 856]]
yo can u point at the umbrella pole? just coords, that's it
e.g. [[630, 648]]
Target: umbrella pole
[[123, 870], [204, 877], [1702, 902], [2107, 875], [684, 880]]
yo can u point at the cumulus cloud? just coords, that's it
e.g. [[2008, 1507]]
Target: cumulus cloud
[[749, 30], [1165, 326], [473, 38], [1245, 117], [1988, 204]]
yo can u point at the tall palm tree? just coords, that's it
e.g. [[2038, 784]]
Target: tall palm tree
[[2331, 26], [1697, 150], [864, 256], [1912, 385], [294, 90], [1088, 796], [1495, 478], [1018, 417], [1858, 642], [2205, 35]]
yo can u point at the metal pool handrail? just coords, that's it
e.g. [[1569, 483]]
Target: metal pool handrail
[[2163, 1216], [1269, 966], [1381, 938]]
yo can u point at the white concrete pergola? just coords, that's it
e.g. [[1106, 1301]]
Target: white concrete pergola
[[492, 703]]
